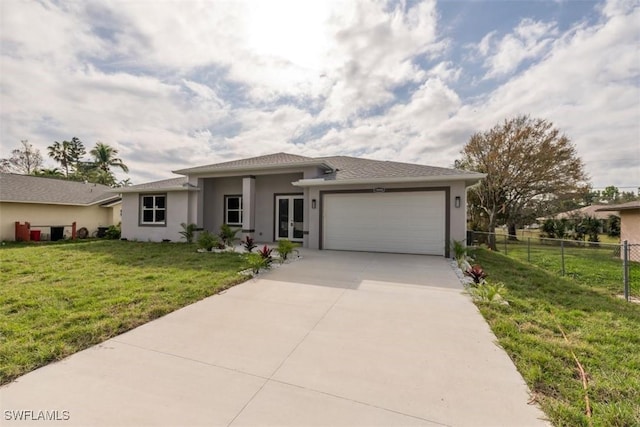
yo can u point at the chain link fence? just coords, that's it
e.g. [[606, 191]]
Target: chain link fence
[[613, 266]]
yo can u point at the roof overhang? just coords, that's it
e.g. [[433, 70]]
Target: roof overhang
[[618, 209], [469, 180], [113, 200], [187, 187], [255, 170], [111, 203]]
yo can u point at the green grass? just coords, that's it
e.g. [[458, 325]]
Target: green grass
[[603, 331], [57, 299], [593, 264]]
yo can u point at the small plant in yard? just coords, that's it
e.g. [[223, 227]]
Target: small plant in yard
[[249, 244], [257, 262], [461, 255], [488, 292], [113, 232], [188, 231], [477, 273], [207, 241], [228, 236], [459, 249], [265, 253], [285, 248]]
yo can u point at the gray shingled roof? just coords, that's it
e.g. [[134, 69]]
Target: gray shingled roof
[[591, 210], [269, 160], [345, 168], [36, 189], [622, 207], [357, 168]]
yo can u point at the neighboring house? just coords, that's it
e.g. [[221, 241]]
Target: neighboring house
[[342, 203], [53, 205], [629, 225], [590, 211]]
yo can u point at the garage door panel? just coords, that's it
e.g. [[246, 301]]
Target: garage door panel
[[408, 222]]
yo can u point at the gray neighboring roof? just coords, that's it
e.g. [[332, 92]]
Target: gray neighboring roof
[[35, 189], [261, 162], [591, 210], [171, 184], [622, 207]]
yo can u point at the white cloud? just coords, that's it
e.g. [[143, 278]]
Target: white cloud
[[587, 85], [445, 71], [529, 40], [173, 84]]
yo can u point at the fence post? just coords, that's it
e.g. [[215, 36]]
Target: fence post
[[529, 249], [625, 269], [562, 254], [506, 240]]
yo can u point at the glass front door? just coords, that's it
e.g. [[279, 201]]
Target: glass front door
[[290, 218]]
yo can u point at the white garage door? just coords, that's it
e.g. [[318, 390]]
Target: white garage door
[[403, 222]]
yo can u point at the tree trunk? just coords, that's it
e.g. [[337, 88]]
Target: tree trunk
[[512, 232], [491, 238]]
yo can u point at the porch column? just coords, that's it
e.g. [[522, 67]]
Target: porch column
[[248, 205]]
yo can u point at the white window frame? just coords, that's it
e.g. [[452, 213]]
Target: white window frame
[[153, 209], [227, 210]]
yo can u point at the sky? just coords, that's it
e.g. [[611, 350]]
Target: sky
[[173, 84]]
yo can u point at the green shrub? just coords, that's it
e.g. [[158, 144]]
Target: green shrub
[[188, 231], [459, 249], [207, 241], [285, 248], [228, 236], [257, 262], [113, 232], [488, 292]]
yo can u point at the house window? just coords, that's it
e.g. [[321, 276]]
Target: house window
[[233, 210], [153, 209]]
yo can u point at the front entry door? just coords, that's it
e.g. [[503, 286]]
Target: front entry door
[[289, 218]]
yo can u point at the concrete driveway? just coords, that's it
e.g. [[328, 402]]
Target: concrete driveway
[[336, 338]]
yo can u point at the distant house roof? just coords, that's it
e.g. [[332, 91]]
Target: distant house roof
[[339, 169], [591, 210], [621, 207], [35, 189]]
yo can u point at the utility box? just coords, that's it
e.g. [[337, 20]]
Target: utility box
[[35, 235]]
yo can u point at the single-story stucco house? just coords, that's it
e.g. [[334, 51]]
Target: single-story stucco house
[[629, 225], [51, 206], [341, 203], [593, 211]]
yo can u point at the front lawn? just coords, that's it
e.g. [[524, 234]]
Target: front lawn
[[602, 330], [57, 299]]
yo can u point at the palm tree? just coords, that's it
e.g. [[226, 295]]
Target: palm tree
[[60, 153], [67, 153], [105, 157], [52, 172]]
